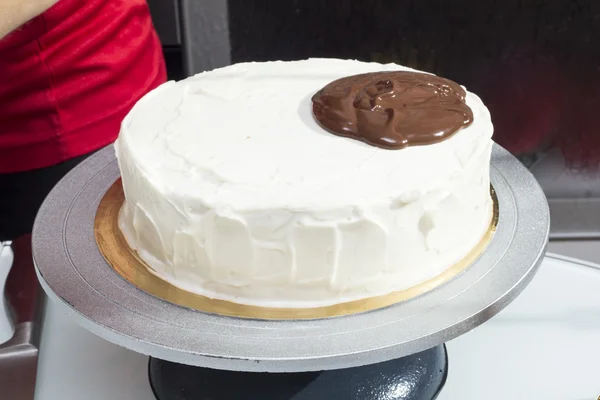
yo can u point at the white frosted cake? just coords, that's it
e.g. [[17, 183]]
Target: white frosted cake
[[235, 191]]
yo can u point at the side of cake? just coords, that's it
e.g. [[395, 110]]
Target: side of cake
[[235, 191]]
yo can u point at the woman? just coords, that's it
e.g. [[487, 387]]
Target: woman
[[70, 70]]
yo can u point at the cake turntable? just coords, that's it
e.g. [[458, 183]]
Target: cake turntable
[[394, 352]]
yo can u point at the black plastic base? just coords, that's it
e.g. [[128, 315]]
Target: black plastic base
[[420, 376]]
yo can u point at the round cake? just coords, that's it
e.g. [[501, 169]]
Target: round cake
[[305, 183]]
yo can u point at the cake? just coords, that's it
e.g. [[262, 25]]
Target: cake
[[252, 183]]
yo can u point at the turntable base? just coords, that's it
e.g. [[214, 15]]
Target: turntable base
[[420, 376]]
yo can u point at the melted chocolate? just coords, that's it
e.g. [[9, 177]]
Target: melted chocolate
[[393, 110]]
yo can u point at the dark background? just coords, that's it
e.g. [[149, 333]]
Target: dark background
[[534, 63]]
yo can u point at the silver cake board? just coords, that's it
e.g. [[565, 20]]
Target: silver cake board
[[75, 275]]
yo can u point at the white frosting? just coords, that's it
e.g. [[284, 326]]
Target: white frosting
[[235, 192]]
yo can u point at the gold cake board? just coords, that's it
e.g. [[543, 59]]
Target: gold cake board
[[126, 262]]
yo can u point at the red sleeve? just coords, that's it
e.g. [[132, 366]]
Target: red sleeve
[[69, 77]]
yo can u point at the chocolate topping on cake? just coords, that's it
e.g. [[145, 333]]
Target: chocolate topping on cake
[[393, 110]]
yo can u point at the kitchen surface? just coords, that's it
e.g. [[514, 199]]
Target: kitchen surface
[[542, 346]]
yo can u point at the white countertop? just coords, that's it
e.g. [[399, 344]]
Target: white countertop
[[76, 365], [545, 345]]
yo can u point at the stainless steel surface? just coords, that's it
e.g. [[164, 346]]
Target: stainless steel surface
[[18, 365], [75, 275], [587, 250], [575, 218], [19, 355], [573, 197], [205, 26]]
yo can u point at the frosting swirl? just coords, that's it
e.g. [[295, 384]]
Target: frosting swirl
[[393, 110]]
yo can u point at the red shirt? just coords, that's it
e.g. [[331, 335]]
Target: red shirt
[[69, 76]]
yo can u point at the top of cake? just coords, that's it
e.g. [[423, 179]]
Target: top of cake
[[245, 137]]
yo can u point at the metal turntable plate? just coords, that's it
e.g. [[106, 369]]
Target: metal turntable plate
[[74, 273]]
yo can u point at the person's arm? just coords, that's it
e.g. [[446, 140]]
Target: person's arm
[[14, 13]]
